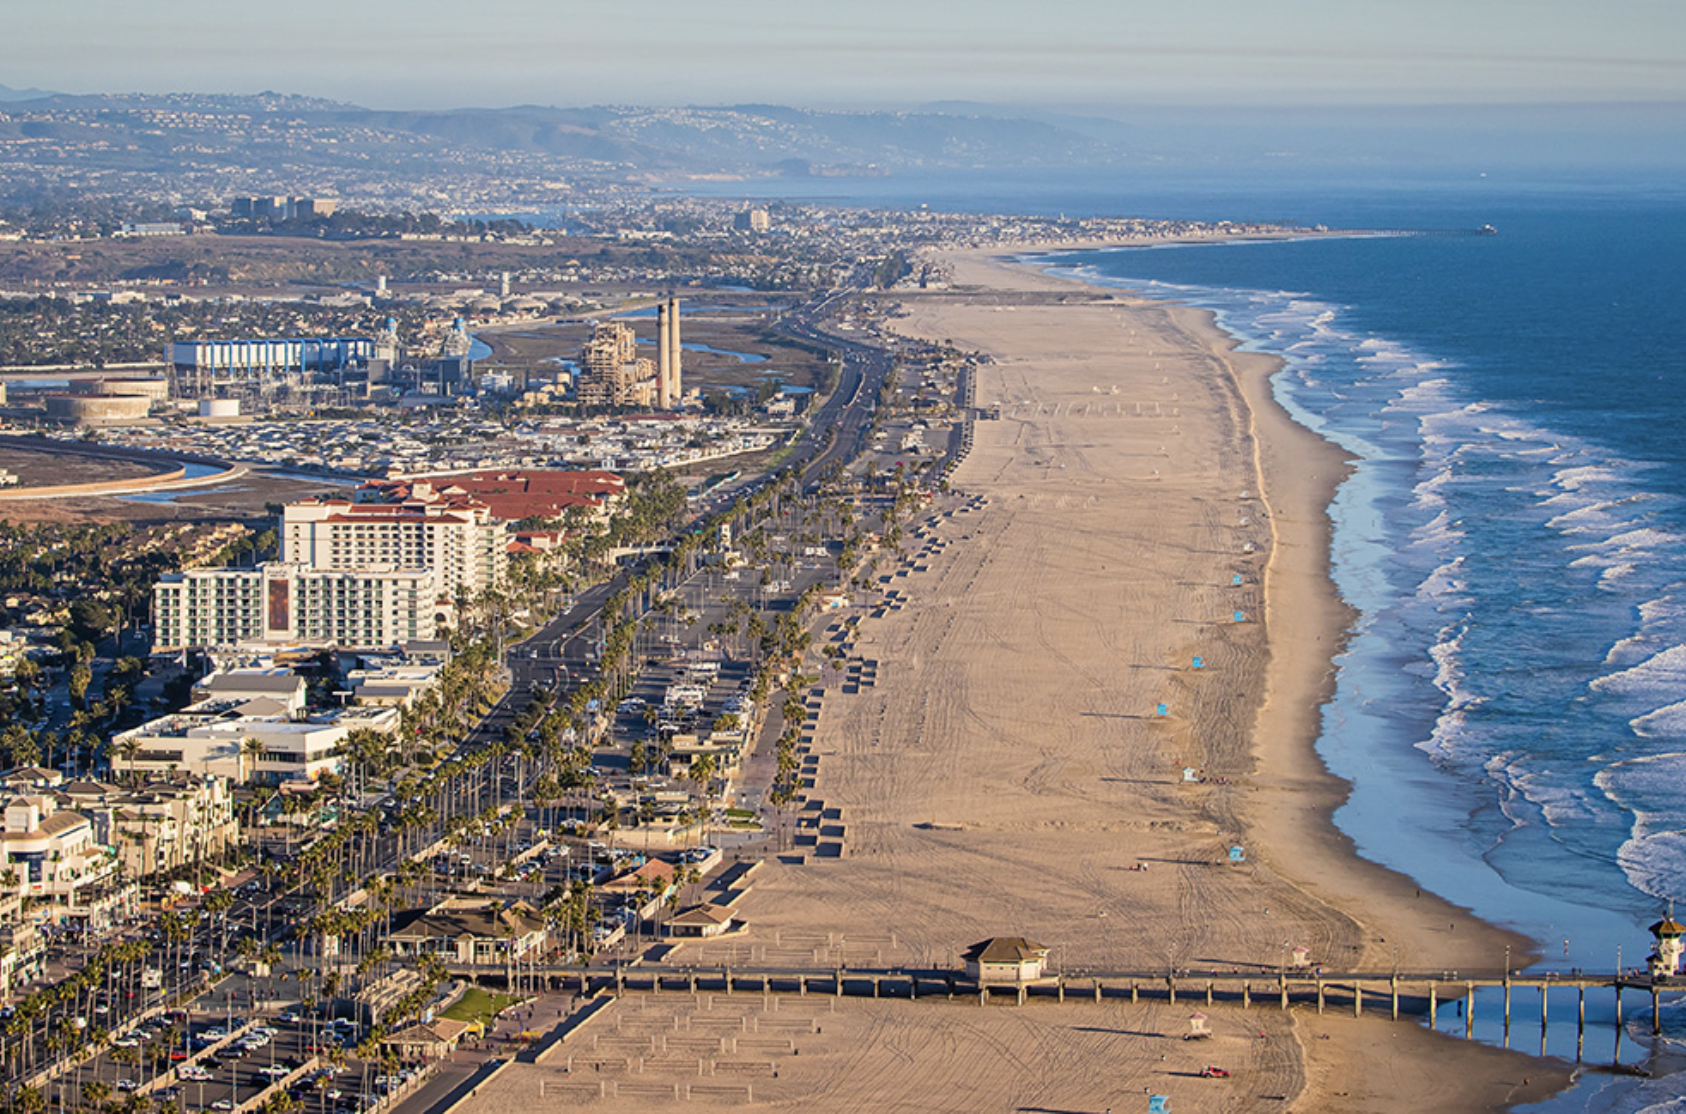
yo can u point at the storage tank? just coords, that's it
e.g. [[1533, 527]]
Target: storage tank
[[97, 409], [219, 408], [155, 389]]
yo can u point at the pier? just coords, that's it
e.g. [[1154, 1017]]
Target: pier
[[1548, 998]]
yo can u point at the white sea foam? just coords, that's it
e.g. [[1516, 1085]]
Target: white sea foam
[[1668, 722], [1445, 583], [1663, 672], [1610, 579], [1654, 857], [1559, 802], [1447, 738], [1438, 535], [1588, 516], [1574, 479]]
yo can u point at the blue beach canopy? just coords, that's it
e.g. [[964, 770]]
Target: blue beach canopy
[[1236, 580], [1163, 708], [1240, 616], [1159, 1104], [1200, 663]]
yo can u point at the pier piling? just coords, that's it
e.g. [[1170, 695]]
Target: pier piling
[[1580, 1022], [1507, 1009]]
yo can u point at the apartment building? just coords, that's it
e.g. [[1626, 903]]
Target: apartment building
[[280, 603], [168, 822]]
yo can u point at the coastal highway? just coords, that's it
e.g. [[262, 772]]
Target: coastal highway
[[848, 410]]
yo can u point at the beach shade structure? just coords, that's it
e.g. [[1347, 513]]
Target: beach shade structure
[[1302, 957], [1235, 580], [1240, 616], [1197, 1029], [1237, 855], [1164, 709], [1200, 663], [1190, 774], [1159, 1104]]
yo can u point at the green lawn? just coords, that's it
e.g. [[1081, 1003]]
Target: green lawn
[[479, 1005]]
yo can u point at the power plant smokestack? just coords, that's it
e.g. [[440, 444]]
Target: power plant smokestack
[[664, 399], [675, 388]]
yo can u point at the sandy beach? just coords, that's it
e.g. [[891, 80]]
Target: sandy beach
[[1010, 772]]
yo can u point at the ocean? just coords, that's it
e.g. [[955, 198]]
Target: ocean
[[1511, 706]]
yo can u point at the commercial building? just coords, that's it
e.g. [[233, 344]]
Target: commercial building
[[377, 571], [284, 689], [510, 494], [458, 540], [468, 931], [283, 208], [49, 853], [216, 740], [752, 220]]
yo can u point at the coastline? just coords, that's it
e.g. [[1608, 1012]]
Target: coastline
[[988, 761], [1300, 472], [1289, 812]]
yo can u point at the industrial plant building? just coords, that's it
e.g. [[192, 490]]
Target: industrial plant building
[[613, 374]]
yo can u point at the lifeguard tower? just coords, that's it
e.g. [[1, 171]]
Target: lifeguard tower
[[1665, 960]]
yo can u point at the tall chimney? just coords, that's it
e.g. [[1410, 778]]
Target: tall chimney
[[664, 399], [675, 387]]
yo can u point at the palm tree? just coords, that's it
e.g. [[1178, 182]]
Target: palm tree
[[251, 752]]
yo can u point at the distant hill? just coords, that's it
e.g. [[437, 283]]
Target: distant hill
[[750, 140], [7, 94]]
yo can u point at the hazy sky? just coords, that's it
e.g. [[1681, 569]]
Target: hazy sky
[[1096, 54]]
